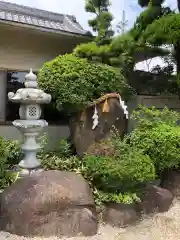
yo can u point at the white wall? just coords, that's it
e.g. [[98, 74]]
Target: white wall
[[22, 49]]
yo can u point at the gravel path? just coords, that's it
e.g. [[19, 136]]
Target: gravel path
[[164, 226]]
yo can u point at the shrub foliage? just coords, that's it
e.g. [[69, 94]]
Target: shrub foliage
[[157, 135], [9, 155], [74, 83], [116, 177], [119, 169]]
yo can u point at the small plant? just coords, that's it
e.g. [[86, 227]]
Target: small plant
[[106, 197], [64, 149], [7, 177], [61, 159], [52, 161], [9, 156], [43, 140], [10, 149], [146, 118], [14, 151]]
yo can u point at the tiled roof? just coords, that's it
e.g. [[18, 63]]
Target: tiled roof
[[11, 12]]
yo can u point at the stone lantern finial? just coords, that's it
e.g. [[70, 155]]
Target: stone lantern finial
[[30, 80]]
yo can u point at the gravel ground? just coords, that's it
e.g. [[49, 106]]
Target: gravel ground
[[164, 226]]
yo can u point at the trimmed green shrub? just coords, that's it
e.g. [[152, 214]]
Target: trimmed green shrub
[[123, 169], [161, 144], [157, 135], [121, 173], [74, 82], [118, 176], [112, 190]]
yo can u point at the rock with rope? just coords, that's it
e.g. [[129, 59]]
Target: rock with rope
[[96, 121]]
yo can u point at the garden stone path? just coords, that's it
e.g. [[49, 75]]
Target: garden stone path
[[165, 226]]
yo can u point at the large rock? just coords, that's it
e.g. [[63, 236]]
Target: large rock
[[171, 181], [120, 215], [81, 129], [47, 204], [155, 199]]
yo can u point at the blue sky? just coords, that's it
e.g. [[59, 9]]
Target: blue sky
[[76, 8]]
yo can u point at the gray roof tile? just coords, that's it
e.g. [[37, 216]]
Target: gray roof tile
[[39, 18]]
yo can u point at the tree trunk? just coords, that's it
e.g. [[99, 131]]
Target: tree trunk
[[177, 58], [178, 5]]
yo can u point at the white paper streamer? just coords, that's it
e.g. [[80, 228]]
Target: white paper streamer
[[124, 107], [95, 118]]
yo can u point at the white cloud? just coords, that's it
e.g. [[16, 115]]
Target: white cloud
[[149, 64], [171, 3]]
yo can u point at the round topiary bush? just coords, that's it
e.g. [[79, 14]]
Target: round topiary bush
[[123, 172], [74, 82]]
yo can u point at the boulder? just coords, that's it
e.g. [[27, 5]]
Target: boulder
[[171, 181], [84, 136], [120, 215], [155, 199], [51, 203]]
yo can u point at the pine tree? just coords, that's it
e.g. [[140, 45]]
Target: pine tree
[[101, 23], [105, 48], [164, 29], [154, 3], [157, 26], [154, 11], [178, 5]]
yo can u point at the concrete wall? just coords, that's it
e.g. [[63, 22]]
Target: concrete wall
[[172, 102], [54, 133]]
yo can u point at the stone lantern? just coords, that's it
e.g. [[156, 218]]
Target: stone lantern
[[30, 124]]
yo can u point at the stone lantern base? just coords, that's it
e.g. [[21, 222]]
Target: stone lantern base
[[23, 172], [30, 130]]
